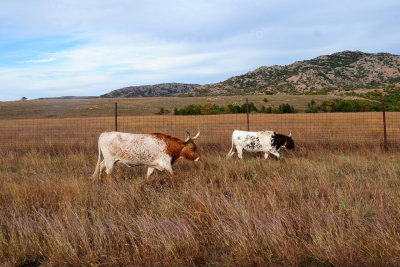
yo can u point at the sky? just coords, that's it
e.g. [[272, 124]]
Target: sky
[[51, 48]]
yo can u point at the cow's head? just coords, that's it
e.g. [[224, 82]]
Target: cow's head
[[189, 150], [289, 144]]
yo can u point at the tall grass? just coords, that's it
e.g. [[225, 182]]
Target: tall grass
[[331, 128], [317, 206]]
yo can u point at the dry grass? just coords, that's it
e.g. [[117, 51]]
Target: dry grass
[[318, 206], [328, 128], [99, 107]]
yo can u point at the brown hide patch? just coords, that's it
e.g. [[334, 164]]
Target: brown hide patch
[[174, 145], [190, 150], [177, 148]]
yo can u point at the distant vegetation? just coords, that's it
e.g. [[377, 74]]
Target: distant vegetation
[[208, 109], [391, 96], [340, 105], [373, 102]]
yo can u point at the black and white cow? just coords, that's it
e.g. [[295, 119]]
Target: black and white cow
[[268, 142]]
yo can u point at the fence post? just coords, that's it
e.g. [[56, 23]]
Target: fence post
[[116, 116], [384, 123], [247, 109]]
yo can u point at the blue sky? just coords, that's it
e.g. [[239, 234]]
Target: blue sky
[[68, 47]]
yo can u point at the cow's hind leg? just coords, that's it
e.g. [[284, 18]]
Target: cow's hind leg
[[102, 167], [109, 166], [231, 152], [99, 170], [266, 155], [150, 171], [240, 152]]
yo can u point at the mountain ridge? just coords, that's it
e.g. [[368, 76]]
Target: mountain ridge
[[341, 70], [157, 90]]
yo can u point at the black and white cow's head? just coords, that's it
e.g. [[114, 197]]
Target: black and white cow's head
[[279, 140]]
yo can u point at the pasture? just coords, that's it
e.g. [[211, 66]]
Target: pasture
[[100, 107], [317, 206], [332, 201]]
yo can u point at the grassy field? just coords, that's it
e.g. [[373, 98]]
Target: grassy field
[[317, 206], [100, 107], [323, 128], [332, 201]]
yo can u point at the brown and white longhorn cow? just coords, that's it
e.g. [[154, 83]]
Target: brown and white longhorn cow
[[155, 150]]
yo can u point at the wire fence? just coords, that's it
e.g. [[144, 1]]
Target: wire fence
[[308, 128]]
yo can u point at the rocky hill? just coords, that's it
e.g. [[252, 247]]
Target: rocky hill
[[343, 70], [163, 89]]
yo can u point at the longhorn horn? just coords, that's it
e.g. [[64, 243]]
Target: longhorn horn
[[188, 137], [197, 135], [290, 134]]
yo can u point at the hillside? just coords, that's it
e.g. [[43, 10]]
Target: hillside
[[343, 70], [104, 107], [163, 89]]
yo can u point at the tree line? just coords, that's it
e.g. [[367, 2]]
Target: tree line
[[209, 109]]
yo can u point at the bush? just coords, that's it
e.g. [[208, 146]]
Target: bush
[[208, 109], [285, 108], [340, 105], [312, 107]]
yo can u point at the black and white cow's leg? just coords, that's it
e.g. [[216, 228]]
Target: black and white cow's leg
[[150, 171], [275, 153], [266, 155], [240, 152], [231, 152]]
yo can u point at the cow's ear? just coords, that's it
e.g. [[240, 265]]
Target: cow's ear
[[290, 134]]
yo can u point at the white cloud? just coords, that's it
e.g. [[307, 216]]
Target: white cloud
[[45, 60], [121, 43]]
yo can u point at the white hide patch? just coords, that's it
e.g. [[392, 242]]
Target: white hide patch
[[134, 149], [253, 141]]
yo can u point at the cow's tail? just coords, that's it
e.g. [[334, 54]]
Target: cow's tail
[[232, 151], [97, 170]]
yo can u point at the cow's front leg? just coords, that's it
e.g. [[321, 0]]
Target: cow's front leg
[[169, 169], [150, 171], [266, 155], [275, 153], [165, 165]]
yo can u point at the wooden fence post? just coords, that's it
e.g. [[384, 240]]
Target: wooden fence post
[[247, 109], [384, 124], [116, 116]]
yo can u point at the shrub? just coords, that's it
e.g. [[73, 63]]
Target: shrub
[[340, 105], [312, 107], [285, 108], [196, 109]]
